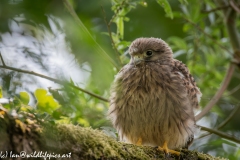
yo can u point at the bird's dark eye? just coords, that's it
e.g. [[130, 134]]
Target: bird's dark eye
[[149, 53]]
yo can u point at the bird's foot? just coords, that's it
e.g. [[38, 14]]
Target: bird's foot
[[139, 142], [166, 150]]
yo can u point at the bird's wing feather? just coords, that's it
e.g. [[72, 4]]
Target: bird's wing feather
[[189, 82]]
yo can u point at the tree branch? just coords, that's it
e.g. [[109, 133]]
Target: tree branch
[[223, 123], [230, 16], [79, 22], [221, 134], [228, 118], [218, 94], [233, 90], [216, 9], [3, 63], [54, 80], [234, 6]]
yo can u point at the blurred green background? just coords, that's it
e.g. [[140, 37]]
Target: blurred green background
[[69, 41]]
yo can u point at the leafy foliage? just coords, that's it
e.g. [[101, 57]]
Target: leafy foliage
[[45, 103], [165, 4]]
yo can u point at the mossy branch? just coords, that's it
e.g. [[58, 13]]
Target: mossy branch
[[80, 143]]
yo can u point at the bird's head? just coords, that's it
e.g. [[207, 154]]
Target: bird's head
[[149, 49]]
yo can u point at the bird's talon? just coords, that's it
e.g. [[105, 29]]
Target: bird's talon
[[167, 151], [139, 142]]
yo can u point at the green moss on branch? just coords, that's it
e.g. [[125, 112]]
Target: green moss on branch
[[27, 135]]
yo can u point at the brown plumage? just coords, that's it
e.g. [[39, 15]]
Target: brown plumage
[[153, 97]]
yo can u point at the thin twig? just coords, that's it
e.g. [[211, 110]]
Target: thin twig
[[231, 25], [228, 118], [233, 90], [54, 80], [218, 94], [234, 6], [233, 34], [223, 123], [221, 134], [216, 9], [3, 63], [110, 35], [201, 30], [79, 22], [115, 14], [230, 16]]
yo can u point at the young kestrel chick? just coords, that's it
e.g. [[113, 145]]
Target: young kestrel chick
[[153, 97]]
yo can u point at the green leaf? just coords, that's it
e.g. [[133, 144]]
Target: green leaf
[[120, 26], [1, 95], [64, 120], [187, 27], [143, 3], [24, 97], [123, 45], [45, 101], [83, 122], [178, 42], [167, 7]]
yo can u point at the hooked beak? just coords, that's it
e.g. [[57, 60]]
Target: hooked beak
[[137, 59]]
